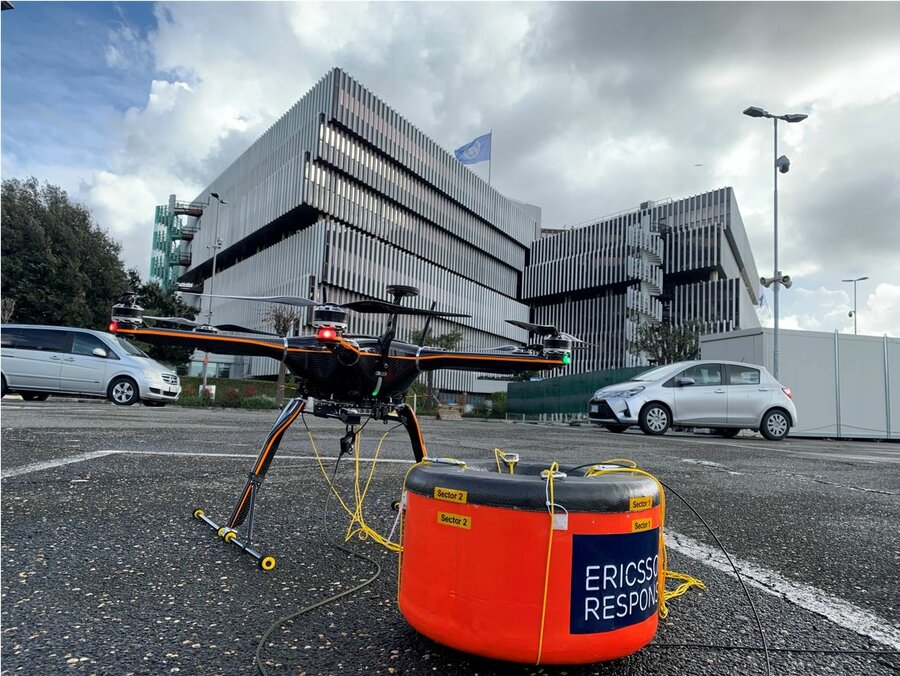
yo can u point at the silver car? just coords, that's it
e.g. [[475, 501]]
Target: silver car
[[42, 360], [724, 396]]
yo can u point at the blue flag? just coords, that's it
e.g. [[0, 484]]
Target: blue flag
[[476, 151]]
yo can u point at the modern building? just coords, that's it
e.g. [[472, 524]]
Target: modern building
[[338, 199], [668, 261]]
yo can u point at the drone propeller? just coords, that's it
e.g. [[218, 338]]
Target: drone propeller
[[361, 306], [181, 321], [550, 330]]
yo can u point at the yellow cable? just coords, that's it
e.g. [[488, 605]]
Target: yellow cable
[[355, 515], [554, 467]]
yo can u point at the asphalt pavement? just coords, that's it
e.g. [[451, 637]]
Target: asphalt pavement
[[104, 569]]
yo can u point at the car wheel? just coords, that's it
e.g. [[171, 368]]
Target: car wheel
[[655, 419], [35, 396], [727, 432], [775, 425], [123, 392], [618, 429]]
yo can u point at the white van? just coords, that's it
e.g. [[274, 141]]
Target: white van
[[42, 360]]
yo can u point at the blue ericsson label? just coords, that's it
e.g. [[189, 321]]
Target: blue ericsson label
[[614, 580]]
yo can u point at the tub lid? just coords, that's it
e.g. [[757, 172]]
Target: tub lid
[[526, 489]]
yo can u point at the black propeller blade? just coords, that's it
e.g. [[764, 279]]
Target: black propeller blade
[[361, 306], [191, 324], [384, 307], [548, 330], [539, 329]]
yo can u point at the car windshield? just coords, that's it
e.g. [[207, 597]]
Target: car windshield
[[658, 373], [130, 348]]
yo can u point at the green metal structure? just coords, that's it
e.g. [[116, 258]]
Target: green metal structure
[[169, 255], [565, 396]]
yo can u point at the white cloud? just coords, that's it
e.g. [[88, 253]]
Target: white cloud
[[594, 106]]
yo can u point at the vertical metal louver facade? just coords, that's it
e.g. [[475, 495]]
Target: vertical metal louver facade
[[345, 196], [669, 261]]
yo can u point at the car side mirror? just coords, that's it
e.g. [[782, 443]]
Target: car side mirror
[[684, 382], [99, 352]]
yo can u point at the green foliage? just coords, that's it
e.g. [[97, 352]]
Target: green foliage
[[160, 303], [667, 344], [259, 402], [58, 266]]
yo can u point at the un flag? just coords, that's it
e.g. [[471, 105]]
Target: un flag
[[475, 151]]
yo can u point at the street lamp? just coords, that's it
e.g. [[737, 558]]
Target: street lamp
[[853, 312], [212, 280], [782, 164]]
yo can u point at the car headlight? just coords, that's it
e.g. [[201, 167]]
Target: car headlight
[[621, 394], [152, 375]]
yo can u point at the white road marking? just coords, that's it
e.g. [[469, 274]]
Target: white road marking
[[50, 464], [834, 609], [255, 455]]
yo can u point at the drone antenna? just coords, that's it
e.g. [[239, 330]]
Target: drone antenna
[[427, 324]]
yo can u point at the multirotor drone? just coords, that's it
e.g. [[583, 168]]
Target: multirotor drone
[[351, 378]]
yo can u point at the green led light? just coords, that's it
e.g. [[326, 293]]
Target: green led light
[[567, 359], [375, 393]]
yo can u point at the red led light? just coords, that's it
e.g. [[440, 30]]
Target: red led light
[[113, 326], [326, 333]]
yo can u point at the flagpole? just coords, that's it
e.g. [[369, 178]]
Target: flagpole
[[491, 158]]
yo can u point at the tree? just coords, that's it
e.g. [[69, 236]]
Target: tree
[[666, 344], [59, 267], [447, 341], [282, 320], [161, 303]]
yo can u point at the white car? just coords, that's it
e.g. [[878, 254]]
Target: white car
[[42, 360], [724, 396]]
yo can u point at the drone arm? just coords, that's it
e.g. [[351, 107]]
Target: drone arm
[[431, 360], [209, 342]]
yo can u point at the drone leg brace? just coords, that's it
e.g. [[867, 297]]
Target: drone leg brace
[[247, 502], [411, 423]]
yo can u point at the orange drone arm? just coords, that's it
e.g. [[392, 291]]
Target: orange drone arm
[[210, 342]]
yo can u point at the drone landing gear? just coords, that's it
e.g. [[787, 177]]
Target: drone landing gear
[[246, 504]]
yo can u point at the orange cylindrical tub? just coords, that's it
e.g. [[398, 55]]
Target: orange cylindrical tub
[[474, 573]]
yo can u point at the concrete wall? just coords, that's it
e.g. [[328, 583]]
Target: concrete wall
[[844, 386]]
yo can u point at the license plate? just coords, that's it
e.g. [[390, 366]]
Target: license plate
[[595, 408]]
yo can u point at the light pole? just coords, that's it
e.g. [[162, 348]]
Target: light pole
[[212, 280], [854, 313], [782, 164]]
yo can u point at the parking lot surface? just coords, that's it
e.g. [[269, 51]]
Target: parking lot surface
[[104, 570]]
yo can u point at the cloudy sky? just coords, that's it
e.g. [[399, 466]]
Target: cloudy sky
[[594, 107]]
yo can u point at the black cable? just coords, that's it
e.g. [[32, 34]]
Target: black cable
[[762, 634], [258, 656]]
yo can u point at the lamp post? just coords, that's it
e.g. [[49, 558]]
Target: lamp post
[[212, 280], [854, 313], [782, 164]]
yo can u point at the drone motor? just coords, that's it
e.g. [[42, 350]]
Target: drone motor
[[332, 316], [127, 312]]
